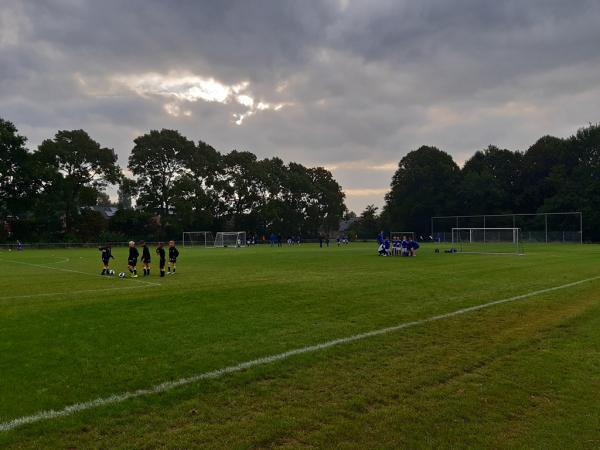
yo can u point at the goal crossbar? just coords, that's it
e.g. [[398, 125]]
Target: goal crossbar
[[197, 239], [230, 239]]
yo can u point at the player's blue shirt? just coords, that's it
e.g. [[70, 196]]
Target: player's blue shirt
[[397, 243], [404, 244], [386, 244], [380, 238]]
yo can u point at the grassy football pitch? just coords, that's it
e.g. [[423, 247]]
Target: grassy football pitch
[[523, 373]]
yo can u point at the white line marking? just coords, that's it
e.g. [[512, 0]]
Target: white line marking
[[75, 271], [169, 385], [51, 294]]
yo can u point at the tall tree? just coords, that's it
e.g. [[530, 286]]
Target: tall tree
[[424, 185], [491, 181], [157, 162], [15, 182], [83, 164], [327, 201], [369, 225], [127, 190], [546, 155]]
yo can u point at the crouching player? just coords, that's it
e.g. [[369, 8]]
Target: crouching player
[[145, 258], [413, 246], [106, 255], [132, 260], [160, 251], [173, 254]]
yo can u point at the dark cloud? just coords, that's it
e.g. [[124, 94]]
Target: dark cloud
[[358, 83]]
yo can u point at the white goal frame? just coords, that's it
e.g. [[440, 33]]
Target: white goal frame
[[409, 234], [234, 239], [514, 241], [197, 239]]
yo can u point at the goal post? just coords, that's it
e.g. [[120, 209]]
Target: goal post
[[198, 239], [230, 239], [498, 241]]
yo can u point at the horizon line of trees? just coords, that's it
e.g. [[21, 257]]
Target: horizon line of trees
[[47, 194], [179, 185], [552, 175]]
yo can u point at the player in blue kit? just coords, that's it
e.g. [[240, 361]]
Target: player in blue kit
[[405, 249], [413, 247], [396, 244]]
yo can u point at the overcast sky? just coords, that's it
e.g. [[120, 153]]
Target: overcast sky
[[350, 85]]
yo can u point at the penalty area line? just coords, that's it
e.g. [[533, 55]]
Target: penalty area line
[[74, 271], [169, 385], [52, 294]]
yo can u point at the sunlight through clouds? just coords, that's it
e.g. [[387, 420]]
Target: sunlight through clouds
[[181, 88]]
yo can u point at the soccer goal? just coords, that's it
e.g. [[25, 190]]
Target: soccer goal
[[400, 234], [499, 241], [198, 239], [230, 239]]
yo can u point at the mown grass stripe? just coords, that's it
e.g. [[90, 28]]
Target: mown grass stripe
[[169, 385]]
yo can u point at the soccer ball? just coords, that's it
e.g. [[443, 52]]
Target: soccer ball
[[122, 275], [111, 273]]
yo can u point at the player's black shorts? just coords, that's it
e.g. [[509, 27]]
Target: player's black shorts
[[146, 261], [132, 262], [105, 261], [173, 260], [162, 263]]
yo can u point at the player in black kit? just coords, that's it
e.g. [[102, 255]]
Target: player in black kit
[[106, 255], [132, 260], [173, 254], [160, 251], [145, 258]]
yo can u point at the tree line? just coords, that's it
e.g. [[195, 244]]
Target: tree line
[[553, 175], [48, 194]]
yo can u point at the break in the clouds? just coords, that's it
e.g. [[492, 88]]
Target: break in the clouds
[[350, 85]]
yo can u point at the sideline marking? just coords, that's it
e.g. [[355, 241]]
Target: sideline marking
[[74, 271], [169, 385]]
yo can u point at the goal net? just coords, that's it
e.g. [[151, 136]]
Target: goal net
[[198, 239], [487, 240], [401, 234], [230, 239]]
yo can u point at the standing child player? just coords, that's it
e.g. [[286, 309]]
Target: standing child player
[[145, 258], [106, 255], [173, 254], [397, 244], [160, 251], [405, 248], [132, 260]]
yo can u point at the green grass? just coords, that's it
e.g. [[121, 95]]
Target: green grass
[[524, 374]]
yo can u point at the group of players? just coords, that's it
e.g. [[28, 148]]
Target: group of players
[[397, 246], [134, 254]]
